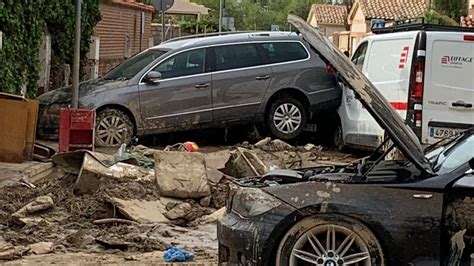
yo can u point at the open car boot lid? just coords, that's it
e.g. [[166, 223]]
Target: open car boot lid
[[400, 133]]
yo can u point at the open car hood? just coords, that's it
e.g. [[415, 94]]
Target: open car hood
[[400, 133]]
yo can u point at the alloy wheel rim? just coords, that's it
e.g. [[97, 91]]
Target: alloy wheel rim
[[112, 130], [330, 245], [287, 118]]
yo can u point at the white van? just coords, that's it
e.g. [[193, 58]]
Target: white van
[[428, 77]]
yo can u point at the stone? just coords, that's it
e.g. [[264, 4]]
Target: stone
[[41, 248], [206, 201], [181, 174], [211, 218], [179, 211], [141, 211], [41, 203]]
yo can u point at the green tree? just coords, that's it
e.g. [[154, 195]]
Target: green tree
[[451, 8]]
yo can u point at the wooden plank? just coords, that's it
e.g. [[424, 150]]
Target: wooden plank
[[13, 118]]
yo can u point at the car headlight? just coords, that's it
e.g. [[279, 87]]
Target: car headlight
[[251, 202]]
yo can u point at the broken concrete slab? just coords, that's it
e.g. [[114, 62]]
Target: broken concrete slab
[[181, 174], [12, 173], [96, 166], [217, 160], [41, 248], [141, 211], [178, 211], [39, 204], [243, 163]]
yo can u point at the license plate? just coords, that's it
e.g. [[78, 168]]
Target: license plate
[[441, 133]]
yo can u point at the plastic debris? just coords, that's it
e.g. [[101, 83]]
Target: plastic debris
[[176, 254]]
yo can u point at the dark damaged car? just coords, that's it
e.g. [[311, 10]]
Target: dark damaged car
[[273, 79], [417, 211]]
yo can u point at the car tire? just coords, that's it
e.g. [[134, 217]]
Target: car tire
[[113, 128], [352, 241], [338, 138], [286, 118]]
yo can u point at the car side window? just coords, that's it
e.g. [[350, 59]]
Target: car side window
[[359, 56], [183, 64], [456, 156], [236, 56], [279, 52]]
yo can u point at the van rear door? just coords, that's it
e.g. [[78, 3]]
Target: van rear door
[[448, 96]]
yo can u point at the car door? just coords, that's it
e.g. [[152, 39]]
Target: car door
[[459, 221], [182, 97], [458, 208], [239, 81]]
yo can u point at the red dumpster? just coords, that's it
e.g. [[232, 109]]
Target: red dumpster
[[76, 130]]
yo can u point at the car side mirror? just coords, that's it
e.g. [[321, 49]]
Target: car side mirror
[[152, 77], [471, 163]]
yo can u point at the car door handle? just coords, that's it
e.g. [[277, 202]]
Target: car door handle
[[461, 104], [262, 77], [422, 196], [201, 86]]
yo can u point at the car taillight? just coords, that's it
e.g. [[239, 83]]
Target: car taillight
[[418, 84], [330, 69], [416, 92]]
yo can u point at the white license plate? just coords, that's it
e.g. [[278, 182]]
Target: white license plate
[[441, 132]]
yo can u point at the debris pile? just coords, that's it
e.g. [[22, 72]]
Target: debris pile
[[137, 200]]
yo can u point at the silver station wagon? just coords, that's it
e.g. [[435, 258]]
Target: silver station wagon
[[273, 79]]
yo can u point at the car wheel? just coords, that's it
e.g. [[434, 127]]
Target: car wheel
[[113, 128], [329, 241], [286, 118], [338, 138]]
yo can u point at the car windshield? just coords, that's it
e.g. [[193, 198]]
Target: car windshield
[[132, 66], [454, 153]]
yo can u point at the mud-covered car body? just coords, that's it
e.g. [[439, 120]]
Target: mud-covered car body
[[419, 210], [218, 95]]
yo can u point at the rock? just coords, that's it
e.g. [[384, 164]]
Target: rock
[[41, 248], [179, 211], [181, 174], [263, 142], [206, 201], [141, 211], [39, 204], [211, 218], [214, 176], [243, 163]]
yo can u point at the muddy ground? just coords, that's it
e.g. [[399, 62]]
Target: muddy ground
[[69, 224]]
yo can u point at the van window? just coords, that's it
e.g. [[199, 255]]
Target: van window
[[279, 52], [236, 56], [359, 56], [183, 64]]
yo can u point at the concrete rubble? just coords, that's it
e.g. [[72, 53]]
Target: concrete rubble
[[141, 200]]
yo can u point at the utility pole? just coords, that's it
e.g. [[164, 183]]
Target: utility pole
[[76, 59], [221, 4]]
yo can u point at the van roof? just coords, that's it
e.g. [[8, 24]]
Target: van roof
[[202, 40], [421, 27]]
